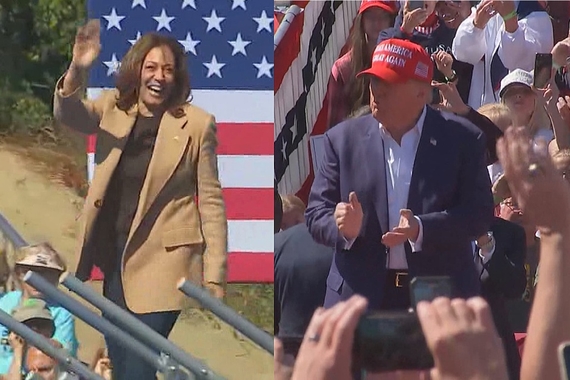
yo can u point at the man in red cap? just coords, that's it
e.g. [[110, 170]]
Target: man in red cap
[[402, 192]]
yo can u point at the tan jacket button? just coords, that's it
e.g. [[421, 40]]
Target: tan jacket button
[[98, 203]]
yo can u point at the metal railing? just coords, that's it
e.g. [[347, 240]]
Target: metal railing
[[122, 326], [228, 315], [10, 241], [34, 339], [167, 362]]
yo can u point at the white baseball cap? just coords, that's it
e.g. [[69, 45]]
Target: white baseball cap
[[516, 76]]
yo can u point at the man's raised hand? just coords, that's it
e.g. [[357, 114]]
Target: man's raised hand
[[348, 217], [408, 229]]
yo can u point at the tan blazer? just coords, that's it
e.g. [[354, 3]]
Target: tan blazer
[[168, 239]]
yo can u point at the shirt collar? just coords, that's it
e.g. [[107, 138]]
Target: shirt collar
[[417, 129]]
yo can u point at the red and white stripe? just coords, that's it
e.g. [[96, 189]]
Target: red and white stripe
[[245, 163], [290, 58]]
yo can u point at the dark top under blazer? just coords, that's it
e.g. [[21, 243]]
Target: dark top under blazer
[[450, 191]]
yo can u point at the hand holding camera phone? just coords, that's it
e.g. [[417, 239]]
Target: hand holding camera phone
[[436, 97], [388, 341], [542, 70]]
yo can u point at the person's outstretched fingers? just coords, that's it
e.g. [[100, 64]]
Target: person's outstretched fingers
[[346, 326], [330, 324], [315, 327], [482, 313], [464, 313], [430, 322], [444, 310]]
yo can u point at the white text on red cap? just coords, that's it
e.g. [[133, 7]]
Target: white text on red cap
[[390, 59], [395, 49]]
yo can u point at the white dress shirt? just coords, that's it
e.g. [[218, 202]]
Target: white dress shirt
[[399, 167], [483, 256]]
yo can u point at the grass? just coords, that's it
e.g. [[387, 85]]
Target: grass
[[64, 162]]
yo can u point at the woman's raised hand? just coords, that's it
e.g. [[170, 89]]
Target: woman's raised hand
[[87, 45]]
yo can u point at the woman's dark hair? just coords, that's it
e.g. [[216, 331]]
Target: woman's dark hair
[[128, 80], [361, 59]]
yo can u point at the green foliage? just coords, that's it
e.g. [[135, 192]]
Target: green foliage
[[253, 301], [36, 38]]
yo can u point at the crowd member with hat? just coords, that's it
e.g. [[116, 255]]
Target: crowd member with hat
[[526, 108], [45, 261], [34, 313], [498, 37], [346, 92], [403, 191]]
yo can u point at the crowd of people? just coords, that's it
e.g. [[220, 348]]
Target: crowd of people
[[18, 359], [444, 157]]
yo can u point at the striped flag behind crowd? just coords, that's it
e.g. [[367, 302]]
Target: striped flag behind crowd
[[229, 47], [305, 57]]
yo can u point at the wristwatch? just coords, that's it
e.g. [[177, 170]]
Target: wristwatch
[[488, 244], [452, 78]]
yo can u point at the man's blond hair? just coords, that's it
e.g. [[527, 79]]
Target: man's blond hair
[[498, 113], [292, 203]]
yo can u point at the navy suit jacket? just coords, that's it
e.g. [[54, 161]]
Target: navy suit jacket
[[450, 191]]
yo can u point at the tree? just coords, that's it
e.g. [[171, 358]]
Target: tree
[[35, 48]]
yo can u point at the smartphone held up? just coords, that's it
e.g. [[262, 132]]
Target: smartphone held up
[[390, 341], [542, 70]]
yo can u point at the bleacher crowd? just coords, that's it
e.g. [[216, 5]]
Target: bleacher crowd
[[20, 360], [447, 155]]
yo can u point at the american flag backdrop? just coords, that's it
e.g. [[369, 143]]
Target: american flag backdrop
[[229, 44], [314, 41]]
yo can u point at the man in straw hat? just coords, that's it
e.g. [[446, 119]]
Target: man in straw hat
[[45, 261]]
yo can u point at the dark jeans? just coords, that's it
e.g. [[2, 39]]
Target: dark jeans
[[126, 364]]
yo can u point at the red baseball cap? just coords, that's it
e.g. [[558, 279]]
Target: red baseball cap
[[388, 6], [397, 61]]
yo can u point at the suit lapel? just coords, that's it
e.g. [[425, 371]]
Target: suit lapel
[[115, 127], [115, 130], [373, 144], [427, 148], [171, 143]]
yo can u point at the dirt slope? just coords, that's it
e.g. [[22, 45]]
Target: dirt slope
[[42, 210]]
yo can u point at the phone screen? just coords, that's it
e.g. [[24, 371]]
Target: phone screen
[[390, 341], [542, 69], [429, 288], [435, 96]]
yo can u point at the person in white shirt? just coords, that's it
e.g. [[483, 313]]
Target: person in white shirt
[[498, 37]]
